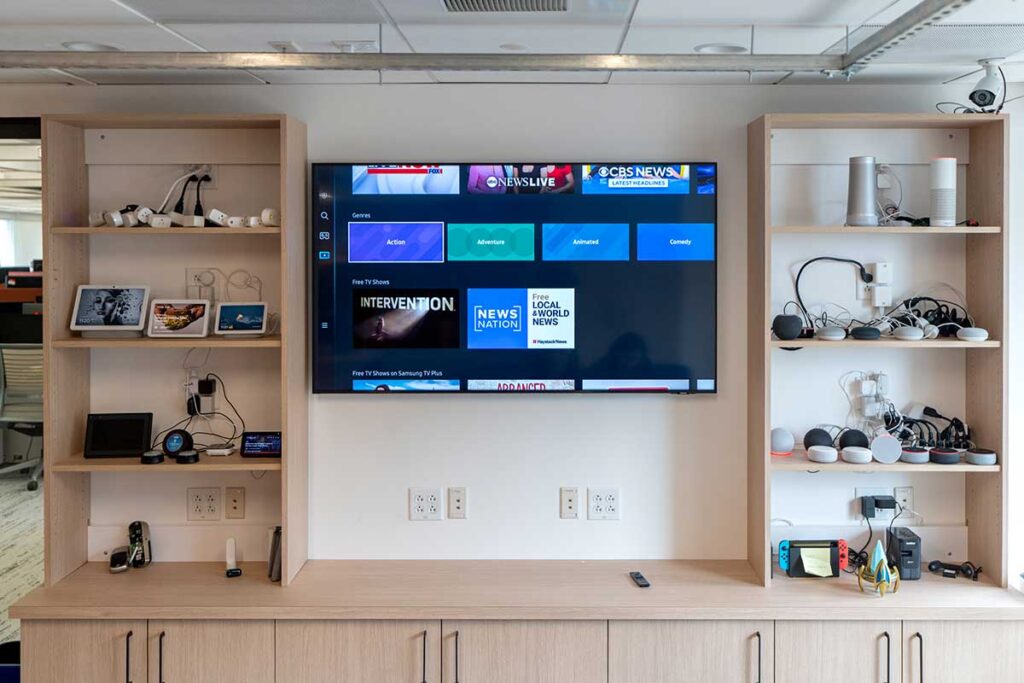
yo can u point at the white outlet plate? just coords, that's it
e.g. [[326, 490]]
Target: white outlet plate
[[905, 497], [880, 515], [456, 502], [425, 504], [604, 503], [569, 502], [234, 502], [203, 504]]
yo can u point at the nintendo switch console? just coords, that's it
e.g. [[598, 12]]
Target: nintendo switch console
[[792, 558]]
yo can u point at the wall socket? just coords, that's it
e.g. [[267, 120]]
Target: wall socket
[[234, 502], [456, 502], [904, 495], [425, 504], [203, 504], [604, 503], [569, 502]]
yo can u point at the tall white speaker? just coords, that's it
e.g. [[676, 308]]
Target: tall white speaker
[[943, 212], [862, 196]]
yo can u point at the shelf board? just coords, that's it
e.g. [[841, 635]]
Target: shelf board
[[207, 463], [143, 230], [887, 344], [798, 462], [270, 342], [884, 230]]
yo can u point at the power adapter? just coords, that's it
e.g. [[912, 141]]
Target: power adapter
[[868, 505]]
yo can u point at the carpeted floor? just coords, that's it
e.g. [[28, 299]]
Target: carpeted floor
[[21, 546]]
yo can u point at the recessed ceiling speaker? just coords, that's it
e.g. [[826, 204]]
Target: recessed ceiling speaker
[[886, 449], [830, 333], [862, 197], [822, 454], [866, 333], [787, 327], [943, 213], [853, 437], [817, 437], [782, 442], [974, 334], [945, 456], [908, 333], [980, 456], [856, 455], [914, 455]]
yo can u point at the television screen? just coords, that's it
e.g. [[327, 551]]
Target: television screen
[[540, 277]]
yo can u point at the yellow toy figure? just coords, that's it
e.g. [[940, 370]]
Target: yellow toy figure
[[878, 573]]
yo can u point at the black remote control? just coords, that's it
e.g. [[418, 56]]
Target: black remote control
[[639, 580]]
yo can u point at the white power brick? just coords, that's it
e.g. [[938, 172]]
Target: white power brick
[[882, 273], [881, 296]]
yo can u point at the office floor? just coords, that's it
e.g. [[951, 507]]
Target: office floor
[[21, 546]]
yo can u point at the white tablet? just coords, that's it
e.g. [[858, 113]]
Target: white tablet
[[110, 308]]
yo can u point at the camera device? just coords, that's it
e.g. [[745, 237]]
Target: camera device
[[989, 89]]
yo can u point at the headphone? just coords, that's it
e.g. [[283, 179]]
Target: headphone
[[952, 571]]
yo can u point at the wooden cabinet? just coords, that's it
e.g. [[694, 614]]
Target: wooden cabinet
[[525, 652], [88, 651], [851, 651], [684, 651], [211, 651], [963, 651], [331, 651]]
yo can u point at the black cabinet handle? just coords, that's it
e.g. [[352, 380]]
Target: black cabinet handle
[[888, 657], [456, 658], [758, 636], [424, 679], [128, 657], [920, 655], [160, 659]]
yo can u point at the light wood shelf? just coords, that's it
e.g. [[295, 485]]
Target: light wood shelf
[[212, 342], [886, 344], [145, 230], [885, 230], [798, 462], [207, 463]]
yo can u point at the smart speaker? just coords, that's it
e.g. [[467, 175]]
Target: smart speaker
[[944, 192], [817, 437], [830, 333], [945, 456], [980, 456], [865, 333], [862, 197], [823, 454], [853, 437], [856, 455], [886, 449], [915, 455], [908, 333], [787, 326], [782, 442], [974, 334]]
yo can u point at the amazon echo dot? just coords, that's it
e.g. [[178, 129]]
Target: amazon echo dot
[[945, 456], [152, 457], [830, 333], [823, 454], [857, 455], [782, 442], [817, 437], [866, 333], [915, 455], [980, 456], [886, 449], [908, 333], [187, 457], [787, 326], [853, 437]]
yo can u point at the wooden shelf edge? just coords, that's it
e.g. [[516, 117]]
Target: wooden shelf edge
[[885, 230], [140, 231], [875, 120], [207, 463], [798, 462], [886, 343], [271, 342]]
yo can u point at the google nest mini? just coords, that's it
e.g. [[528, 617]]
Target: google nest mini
[[857, 455], [822, 454], [866, 333], [830, 333], [974, 334], [915, 455], [908, 333]]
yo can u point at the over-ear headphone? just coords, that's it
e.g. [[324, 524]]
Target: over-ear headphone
[[952, 571]]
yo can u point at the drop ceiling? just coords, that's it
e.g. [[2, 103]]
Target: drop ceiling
[[982, 28]]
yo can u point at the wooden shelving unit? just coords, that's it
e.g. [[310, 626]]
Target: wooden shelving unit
[[88, 166], [985, 261]]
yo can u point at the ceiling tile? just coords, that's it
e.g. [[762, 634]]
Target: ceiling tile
[[143, 37], [247, 37], [779, 12], [65, 11], [681, 39], [487, 38], [259, 11], [949, 43], [521, 76], [166, 76], [797, 40], [989, 12], [33, 76], [580, 12]]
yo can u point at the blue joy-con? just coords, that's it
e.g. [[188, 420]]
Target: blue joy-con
[[784, 555]]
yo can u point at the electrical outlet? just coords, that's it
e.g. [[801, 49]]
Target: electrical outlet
[[234, 502], [604, 503], [456, 502], [569, 502], [201, 283], [880, 515], [425, 504], [203, 504], [905, 498]]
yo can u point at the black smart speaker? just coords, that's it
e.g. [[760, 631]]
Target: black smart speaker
[[817, 437], [866, 333], [853, 437], [787, 327]]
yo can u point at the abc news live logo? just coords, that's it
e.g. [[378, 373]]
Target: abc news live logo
[[495, 182]]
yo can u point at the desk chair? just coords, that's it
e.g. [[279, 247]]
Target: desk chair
[[21, 401]]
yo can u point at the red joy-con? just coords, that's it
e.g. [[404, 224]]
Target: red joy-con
[[844, 555]]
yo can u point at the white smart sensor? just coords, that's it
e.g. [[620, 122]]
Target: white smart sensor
[[974, 334], [823, 454], [857, 455], [908, 333], [830, 333]]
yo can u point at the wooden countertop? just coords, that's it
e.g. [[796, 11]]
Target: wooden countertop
[[500, 590]]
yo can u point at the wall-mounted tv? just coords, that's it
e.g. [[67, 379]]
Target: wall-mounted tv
[[530, 277]]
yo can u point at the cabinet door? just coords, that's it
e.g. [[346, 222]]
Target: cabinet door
[[332, 651], [83, 651], [686, 651], [963, 651], [525, 652], [184, 651], [850, 651]]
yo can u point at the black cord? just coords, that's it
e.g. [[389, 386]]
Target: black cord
[[179, 207], [187, 420], [198, 210], [1003, 103], [864, 275], [224, 387]]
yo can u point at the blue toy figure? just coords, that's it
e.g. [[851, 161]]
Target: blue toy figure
[[878, 573]]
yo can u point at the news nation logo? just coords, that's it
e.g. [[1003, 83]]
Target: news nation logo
[[521, 319]]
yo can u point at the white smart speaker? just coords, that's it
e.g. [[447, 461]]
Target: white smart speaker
[[886, 449], [857, 455], [944, 192], [782, 441], [822, 454]]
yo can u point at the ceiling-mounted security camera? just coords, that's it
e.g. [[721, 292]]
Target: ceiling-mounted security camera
[[989, 90]]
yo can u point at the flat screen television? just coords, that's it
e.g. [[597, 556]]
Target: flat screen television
[[532, 277]]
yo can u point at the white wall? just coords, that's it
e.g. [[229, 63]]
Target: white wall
[[680, 461], [26, 235]]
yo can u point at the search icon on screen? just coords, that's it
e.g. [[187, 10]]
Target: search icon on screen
[[323, 215]]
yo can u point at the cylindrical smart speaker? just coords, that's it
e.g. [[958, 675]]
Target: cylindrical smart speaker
[[944, 192], [862, 196]]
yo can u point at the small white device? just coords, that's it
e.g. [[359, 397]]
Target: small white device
[[143, 213], [254, 222], [159, 220], [886, 449], [221, 450], [193, 222], [176, 218], [217, 217], [782, 441], [944, 192], [908, 333], [130, 219], [241, 318], [822, 454], [830, 333], [980, 456], [990, 88], [114, 219], [231, 569], [270, 217], [856, 455], [97, 218], [236, 222], [974, 334]]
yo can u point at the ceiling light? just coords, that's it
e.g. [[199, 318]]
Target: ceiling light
[[720, 49], [512, 47], [86, 46]]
